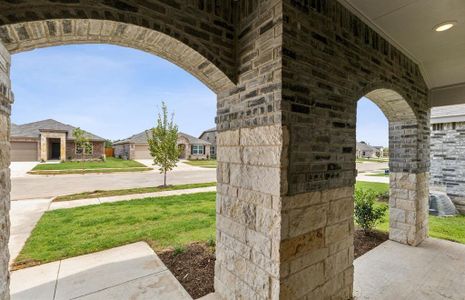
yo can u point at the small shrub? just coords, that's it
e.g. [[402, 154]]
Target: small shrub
[[178, 249], [211, 242], [367, 214]]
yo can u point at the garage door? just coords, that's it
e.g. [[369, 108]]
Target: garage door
[[23, 151], [142, 152]]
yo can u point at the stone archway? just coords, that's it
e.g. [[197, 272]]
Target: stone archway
[[408, 193], [27, 36], [36, 34]]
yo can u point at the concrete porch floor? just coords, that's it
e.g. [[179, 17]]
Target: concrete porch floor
[[433, 270]]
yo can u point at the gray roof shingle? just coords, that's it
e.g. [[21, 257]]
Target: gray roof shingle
[[141, 138], [32, 130]]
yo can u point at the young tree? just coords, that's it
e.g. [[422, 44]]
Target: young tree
[[162, 141], [82, 142]]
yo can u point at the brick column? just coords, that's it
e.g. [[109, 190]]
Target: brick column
[[409, 187], [63, 147], [6, 98]]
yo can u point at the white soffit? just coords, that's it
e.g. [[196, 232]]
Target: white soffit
[[408, 24]]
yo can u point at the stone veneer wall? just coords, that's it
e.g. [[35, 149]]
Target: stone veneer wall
[[288, 74], [448, 162], [6, 99], [330, 60]]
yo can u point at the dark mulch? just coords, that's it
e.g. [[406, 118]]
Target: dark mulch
[[194, 268], [365, 242]]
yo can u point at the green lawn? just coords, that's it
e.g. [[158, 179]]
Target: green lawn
[[379, 174], [162, 222], [209, 163], [448, 228], [109, 193], [362, 160], [377, 187], [110, 162]]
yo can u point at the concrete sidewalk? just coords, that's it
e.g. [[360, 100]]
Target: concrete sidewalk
[[129, 272], [93, 201], [24, 216]]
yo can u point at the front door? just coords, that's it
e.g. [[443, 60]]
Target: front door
[[55, 151]]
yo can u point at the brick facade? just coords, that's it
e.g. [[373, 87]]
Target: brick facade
[[288, 75], [97, 153], [448, 161]]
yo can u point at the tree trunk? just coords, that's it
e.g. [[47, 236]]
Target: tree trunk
[[164, 179]]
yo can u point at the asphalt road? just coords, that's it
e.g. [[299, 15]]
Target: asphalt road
[[37, 186]]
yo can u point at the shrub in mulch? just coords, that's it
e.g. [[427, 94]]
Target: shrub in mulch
[[194, 265]]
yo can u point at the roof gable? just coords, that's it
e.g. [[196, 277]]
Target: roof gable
[[33, 130]]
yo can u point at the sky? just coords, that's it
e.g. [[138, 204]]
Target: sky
[[116, 92], [111, 91]]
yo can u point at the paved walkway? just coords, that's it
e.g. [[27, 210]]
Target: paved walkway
[[129, 272], [432, 271], [366, 177], [20, 169], [92, 201], [24, 216]]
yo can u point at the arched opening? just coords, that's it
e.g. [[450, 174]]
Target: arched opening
[[407, 188], [109, 32]]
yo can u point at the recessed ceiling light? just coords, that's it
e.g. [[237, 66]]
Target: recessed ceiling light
[[444, 26]]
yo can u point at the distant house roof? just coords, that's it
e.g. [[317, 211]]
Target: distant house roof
[[141, 138], [32, 130], [365, 147], [448, 114], [209, 130]]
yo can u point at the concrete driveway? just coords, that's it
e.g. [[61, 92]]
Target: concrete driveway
[[39, 186], [20, 169]]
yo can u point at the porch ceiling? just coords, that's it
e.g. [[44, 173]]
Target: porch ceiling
[[408, 24]]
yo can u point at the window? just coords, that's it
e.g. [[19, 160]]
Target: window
[[198, 149], [88, 149], [438, 127], [212, 150]]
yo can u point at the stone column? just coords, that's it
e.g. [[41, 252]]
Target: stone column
[[6, 99], [63, 147], [43, 147], [409, 188]]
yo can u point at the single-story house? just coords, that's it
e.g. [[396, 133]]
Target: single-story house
[[364, 150], [137, 147], [210, 136], [51, 140], [447, 151]]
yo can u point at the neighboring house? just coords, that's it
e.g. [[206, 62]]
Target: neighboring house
[[210, 136], [137, 147], [447, 151], [364, 150], [50, 140]]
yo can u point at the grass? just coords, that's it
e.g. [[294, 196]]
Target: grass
[[111, 164], [209, 163], [380, 160], [377, 187], [143, 190], [379, 175], [447, 228], [163, 222]]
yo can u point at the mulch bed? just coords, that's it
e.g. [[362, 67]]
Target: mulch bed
[[365, 242], [195, 267]]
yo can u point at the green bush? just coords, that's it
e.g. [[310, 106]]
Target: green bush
[[367, 214]]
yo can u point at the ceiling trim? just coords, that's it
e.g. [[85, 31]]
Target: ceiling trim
[[448, 95], [386, 36]]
